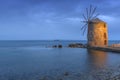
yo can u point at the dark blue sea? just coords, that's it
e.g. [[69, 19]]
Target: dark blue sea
[[37, 60]]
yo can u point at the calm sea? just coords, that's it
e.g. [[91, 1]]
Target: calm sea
[[36, 60]]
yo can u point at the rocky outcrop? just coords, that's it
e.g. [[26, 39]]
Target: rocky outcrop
[[57, 46], [77, 45]]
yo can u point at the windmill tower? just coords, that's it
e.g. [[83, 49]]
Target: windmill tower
[[97, 34]]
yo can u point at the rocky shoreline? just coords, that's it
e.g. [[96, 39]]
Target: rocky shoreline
[[104, 74], [80, 45]]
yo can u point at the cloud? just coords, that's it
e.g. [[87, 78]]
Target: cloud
[[51, 19], [107, 18]]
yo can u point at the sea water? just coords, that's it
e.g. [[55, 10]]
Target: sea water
[[35, 60]]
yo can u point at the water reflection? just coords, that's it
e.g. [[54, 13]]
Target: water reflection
[[97, 59]]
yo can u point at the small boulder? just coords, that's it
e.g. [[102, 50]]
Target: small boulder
[[55, 46], [59, 46]]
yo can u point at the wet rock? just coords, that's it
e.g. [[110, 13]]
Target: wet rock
[[77, 45], [66, 74], [59, 46], [55, 46], [43, 78], [60, 79], [47, 78]]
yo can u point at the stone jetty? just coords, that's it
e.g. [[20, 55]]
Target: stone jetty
[[111, 48], [107, 49]]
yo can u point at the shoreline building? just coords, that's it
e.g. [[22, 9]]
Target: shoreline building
[[97, 33]]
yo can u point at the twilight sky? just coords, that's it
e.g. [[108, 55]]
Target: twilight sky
[[53, 19]]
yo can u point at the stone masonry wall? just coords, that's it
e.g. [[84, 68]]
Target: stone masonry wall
[[97, 34]]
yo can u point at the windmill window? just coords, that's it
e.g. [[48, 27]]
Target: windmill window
[[104, 25], [105, 35], [105, 42], [95, 43]]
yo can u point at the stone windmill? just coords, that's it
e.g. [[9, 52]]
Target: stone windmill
[[97, 34]]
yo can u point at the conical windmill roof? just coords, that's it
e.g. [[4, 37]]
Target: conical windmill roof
[[96, 20]]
